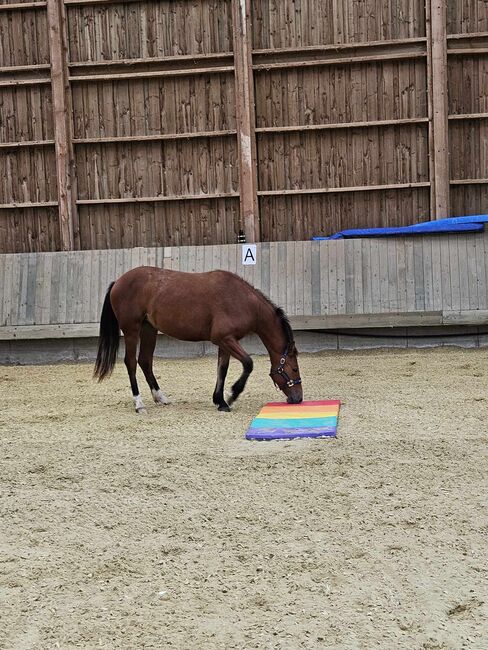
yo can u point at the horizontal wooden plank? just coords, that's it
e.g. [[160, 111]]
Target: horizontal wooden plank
[[341, 125], [155, 60], [465, 317], [470, 51], [82, 3], [468, 181], [358, 188], [337, 47], [151, 74], [64, 331], [14, 206], [157, 199], [468, 116], [392, 319], [360, 58], [14, 69], [156, 137], [26, 143], [38, 81], [454, 37], [16, 6], [321, 323]]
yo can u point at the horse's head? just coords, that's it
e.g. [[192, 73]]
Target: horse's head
[[286, 375]]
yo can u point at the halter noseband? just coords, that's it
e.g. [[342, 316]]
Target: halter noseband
[[281, 371]]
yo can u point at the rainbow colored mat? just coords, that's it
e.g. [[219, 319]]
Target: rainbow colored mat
[[279, 421]]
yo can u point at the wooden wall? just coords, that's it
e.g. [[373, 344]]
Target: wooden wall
[[357, 113], [431, 280]]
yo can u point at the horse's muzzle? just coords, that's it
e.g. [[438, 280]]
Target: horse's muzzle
[[295, 399]]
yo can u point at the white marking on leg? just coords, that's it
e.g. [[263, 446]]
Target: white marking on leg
[[139, 404], [159, 397]]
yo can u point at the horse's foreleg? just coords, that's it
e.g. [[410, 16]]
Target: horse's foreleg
[[222, 367], [130, 338], [234, 348], [146, 353]]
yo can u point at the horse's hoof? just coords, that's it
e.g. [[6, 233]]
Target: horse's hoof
[[141, 411], [224, 408], [159, 397]]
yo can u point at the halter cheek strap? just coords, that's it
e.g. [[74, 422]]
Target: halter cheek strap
[[280, 370]]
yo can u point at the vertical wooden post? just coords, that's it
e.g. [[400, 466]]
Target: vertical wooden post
[[63, 136], [245, 113], [436, 22]]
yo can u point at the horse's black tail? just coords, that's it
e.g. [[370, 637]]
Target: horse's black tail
[[108, 340]]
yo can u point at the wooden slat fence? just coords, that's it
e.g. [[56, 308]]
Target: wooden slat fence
[[321, 284], [173, 122]]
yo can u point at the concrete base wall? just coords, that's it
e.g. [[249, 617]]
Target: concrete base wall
[[44, 351]]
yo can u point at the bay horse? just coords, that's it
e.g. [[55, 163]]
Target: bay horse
[[216, 306]]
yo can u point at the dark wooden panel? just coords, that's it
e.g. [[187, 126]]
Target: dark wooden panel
[[149, 29], [467, 16], [469, 199], [27, 175], [154, 106], [23, 37], [332, 94], [468, 149], [26, 114], [468, 84], [29, 230], [147, 169], [176, 223], [289, 23], [343, 158], [300, 217]]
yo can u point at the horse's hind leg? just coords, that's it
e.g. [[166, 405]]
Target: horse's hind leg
[[146, 353], [234, 348], [222, 367], [131, 337]]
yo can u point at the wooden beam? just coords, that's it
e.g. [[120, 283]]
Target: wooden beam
[[341, 125], [320, 323], [28, 204], [359, 321], [358, 59], [74, 3], [468, 181], [151, 74], [357, 188], [436, 19], [26, 143], [246, 118], [154, 137], [19, 6], [469, 116], [153, 60], [13, 69], [158, 199], [467, 51], [473, 317], [469, 36], [337, 47], [63, 138], [25, 82]]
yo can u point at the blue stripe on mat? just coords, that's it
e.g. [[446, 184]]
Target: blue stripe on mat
[[278, 433], [289, 423]]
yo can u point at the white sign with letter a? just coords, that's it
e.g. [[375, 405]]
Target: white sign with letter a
[[248, 254]]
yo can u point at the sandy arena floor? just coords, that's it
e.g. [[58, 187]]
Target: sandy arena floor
[[172, 531]]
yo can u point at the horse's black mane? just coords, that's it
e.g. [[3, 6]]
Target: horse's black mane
[[285, 323]]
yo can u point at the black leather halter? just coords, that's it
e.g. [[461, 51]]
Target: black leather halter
[[280, 370]]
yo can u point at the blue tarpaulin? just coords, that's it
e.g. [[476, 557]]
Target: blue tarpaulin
[[474, 223]]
